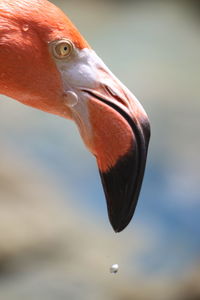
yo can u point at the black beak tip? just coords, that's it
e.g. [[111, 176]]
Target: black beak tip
[[122, 184], [120, 221], [117, 226]]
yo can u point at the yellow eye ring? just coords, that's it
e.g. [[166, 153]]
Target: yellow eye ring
[[62, 49]]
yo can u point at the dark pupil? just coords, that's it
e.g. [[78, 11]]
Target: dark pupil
[[65, 48]]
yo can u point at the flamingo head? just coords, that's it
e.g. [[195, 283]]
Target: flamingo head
[[46, 63]]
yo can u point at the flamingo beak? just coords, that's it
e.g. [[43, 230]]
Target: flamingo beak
[[115, 128], [128, 124]]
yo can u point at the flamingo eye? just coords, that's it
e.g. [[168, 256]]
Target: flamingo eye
[[62, 48]]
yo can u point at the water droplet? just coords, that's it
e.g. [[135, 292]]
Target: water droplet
[[114, 268], [25, 27], [71, 99]]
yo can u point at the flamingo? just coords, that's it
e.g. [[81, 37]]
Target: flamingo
[[47, 64]]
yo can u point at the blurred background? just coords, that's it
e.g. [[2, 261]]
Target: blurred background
[[55, 238]]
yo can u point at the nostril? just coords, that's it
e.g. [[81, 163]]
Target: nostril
[[111, 91], [114, 94]]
